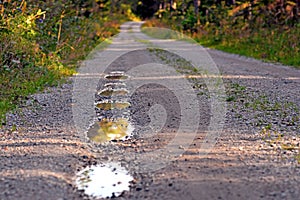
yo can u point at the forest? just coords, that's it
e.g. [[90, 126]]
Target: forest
[[44, 41], [264, 29]]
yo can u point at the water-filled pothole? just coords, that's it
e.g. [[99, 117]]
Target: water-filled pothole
[[110, 129], [107, 92], [110, 105], [115, 85], [116, 75], [104, 180]]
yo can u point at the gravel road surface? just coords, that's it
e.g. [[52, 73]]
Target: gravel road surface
[[244, 112]]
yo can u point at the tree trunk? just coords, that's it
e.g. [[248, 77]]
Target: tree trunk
[[171, 5], [196, 10], [218, 2], [196, 7], [112, 6], [230, 2], [297, 11]]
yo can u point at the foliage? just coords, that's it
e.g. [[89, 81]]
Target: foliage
[[41, 42], [264, 29]]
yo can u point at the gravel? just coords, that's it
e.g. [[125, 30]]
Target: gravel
[[256, 155]]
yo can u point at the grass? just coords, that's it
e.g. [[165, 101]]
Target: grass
[[40, 49], [16, 85], [20, 80], [298, 158], [274, 44], [263, 111], [260, 107]]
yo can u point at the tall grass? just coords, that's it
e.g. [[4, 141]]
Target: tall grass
[[271, 32], [42, 42]]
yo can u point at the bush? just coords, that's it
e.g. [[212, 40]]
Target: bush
[[41, 42]]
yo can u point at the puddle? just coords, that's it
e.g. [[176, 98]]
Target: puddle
[[107, 130], [110, 105], [113, 92], [112, 114], [116, 75], [114, 85], [104, 180]]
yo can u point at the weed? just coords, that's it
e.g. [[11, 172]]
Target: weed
[[42, 42], [288, 147], [298, 158], [234, 34], [230, 98]]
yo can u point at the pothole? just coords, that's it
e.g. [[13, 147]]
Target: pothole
[[108, 180], [114, 85], [112, 113], [116, 75], [110, 105], [104, 180], [107, 92], [110, 129]]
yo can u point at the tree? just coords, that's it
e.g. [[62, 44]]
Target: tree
[[196, 5], [147, 8]]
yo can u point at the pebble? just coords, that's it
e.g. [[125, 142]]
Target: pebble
[[54, 113]]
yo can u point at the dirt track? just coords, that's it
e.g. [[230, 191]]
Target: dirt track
[[256, 155]]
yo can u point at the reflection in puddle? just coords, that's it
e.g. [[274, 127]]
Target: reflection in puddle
[[108, 180], [104, 180], [110, 105], [107, 130], [113, 92], [112, 114], [115, 85]]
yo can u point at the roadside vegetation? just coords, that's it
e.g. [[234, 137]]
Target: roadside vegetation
[[42, 42], [263, 29]]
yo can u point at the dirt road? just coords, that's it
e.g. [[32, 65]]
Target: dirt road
[[251, 127]]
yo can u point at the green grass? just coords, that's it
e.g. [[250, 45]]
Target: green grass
[[40, 49], [28, 77], [15, 86], [269, 45], [298, 158], [274, 44]]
